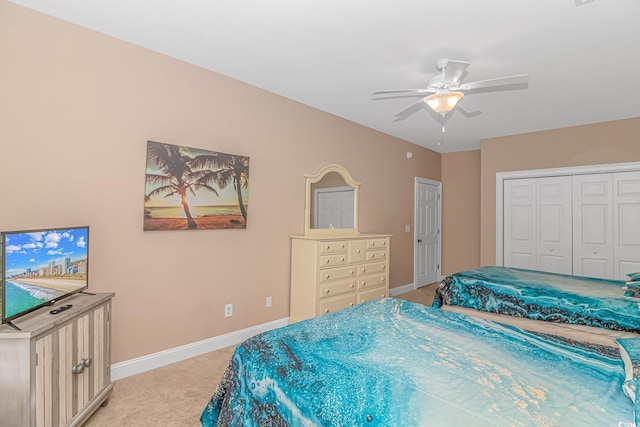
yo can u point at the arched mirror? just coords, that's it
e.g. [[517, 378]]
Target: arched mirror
[[332, 202]]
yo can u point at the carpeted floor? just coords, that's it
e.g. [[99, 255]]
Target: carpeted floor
[[176, 394]]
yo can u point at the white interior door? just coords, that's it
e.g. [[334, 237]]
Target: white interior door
[[553, 223], [626, 224], [593, 225], [519, 223], [427, 232]]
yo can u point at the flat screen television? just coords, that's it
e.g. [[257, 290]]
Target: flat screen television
[[40, 267]]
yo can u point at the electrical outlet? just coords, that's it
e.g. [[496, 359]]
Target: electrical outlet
[[407, 228], [268, 302], [228, 310]]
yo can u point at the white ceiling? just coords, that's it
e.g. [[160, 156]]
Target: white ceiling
[[583, 60]]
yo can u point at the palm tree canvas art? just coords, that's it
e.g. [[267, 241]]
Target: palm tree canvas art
[[193, 189]]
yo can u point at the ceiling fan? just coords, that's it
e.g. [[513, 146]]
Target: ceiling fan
[[444, 90]]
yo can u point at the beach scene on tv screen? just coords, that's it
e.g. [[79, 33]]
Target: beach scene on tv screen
[[41, 266]]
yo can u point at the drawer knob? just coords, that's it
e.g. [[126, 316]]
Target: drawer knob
[[328, 276], [364, 284], [351, 286], [328, 261], [326, 311], [352, 272], [384, 266], [358, 251], [364, 270], [382, 296], [342, 247], [327, 291], [342, 259], [328, 247], [382, 279], [351, 304]]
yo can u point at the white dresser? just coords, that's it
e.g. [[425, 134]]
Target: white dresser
[[330, 273]]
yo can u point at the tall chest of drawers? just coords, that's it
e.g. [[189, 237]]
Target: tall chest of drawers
[[331, 273]]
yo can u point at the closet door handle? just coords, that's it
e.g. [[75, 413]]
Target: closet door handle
[[419, 240]]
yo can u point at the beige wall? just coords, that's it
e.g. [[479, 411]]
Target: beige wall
[[600, 143], [461, 211], [77, 108]]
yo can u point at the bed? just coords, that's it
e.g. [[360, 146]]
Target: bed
[[542, 296], [390, 362]]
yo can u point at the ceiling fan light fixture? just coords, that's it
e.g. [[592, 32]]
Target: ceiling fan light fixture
[[443, 102]]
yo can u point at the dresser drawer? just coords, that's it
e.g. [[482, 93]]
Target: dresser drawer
[[332, 260], [372, 294], [337, 273], [376, 255], [376, 244], [331, 289], [333, 247], [372, 280], [372, 267], [337, 303], [357, 251]]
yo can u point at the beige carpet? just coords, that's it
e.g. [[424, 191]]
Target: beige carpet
[[175, 395]]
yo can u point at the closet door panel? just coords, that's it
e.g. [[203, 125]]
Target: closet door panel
[[554, 237], [593, 226], [626, 223], [519, 224]]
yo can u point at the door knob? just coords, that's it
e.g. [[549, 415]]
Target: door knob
[[419, 240]]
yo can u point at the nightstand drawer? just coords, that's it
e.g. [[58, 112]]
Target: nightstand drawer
[[332, 289]]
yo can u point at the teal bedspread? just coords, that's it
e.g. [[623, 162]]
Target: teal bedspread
[[542, 296], [390, 362]]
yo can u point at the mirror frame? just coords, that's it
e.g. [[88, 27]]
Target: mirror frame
[[311, 179]]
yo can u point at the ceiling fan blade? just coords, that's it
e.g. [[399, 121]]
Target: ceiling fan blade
[[500, 81], [452, 72], [401, 115], [407, 91]]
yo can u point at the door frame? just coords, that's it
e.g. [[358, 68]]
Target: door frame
[[438, 184], [539, 173]]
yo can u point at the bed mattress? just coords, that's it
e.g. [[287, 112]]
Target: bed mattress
[[390, 362], [542, 296]]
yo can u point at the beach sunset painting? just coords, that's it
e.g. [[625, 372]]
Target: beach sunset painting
[[194, 189]]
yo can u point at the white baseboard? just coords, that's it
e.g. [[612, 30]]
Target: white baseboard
[[156, 360], [399, 290]]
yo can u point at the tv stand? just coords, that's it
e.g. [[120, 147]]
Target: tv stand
[[13, 325], [56, 370]]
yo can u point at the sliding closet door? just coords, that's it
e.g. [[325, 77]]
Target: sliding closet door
[[553, 224], [593, 225], [519, 223], [537, 224], [626, 224]]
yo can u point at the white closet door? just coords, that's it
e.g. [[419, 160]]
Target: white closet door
[[626, 224], [519, 223], [553, 223], [593, 225]]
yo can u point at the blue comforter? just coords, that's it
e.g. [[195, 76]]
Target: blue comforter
[[542, 296], [394, 363]]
